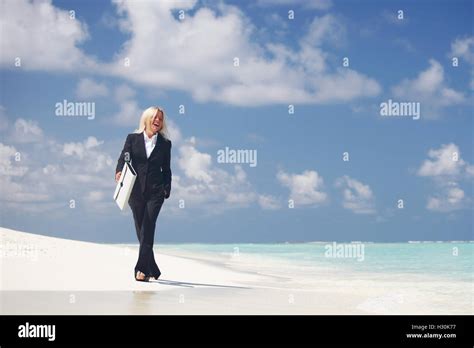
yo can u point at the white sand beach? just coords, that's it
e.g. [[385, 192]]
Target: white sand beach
[[47, 275]]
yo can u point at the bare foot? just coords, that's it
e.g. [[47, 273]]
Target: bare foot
[[140, 276]]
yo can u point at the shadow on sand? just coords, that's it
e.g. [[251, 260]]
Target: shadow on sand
[[193, 285]]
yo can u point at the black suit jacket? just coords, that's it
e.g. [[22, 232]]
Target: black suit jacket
[[152, 172]]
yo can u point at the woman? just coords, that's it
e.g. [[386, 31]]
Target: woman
[[149, 151]]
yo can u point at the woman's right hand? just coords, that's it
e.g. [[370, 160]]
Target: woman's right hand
[[117, 176]]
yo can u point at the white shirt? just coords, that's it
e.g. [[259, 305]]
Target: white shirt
[[149, 143]]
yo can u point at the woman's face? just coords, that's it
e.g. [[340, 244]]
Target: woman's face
[[156, 123]]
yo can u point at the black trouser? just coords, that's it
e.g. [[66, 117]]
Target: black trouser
[[145, 210]]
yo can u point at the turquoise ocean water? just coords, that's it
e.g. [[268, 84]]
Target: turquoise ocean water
[[443, 260]]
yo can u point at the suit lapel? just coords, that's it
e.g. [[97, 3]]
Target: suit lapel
[[157, 145], [142, 147], [141, 142]]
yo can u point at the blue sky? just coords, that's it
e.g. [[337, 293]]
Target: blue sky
[[48, 160]]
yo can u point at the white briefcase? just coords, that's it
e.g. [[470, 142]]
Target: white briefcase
[[125, 185]]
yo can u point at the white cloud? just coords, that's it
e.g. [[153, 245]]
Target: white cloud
[[89, 152], [173, 131], [449, 199], [470, 170], [240, 198], [95, 196], [43, 36], [198, 52], [305, 188], [195, 165], [445, 161], [464, 48], [44, 175], [430, 89], [269, 202], [88, 88], [79, 167], [195, 55], [7, 160], [82, 170], [357, 196], [202, 185], [310, 4], [446, 167], [324, 29], [14, 184], [129, 112], [26, 131], [124, 92]]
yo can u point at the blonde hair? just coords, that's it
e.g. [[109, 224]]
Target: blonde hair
[[147, 115]]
